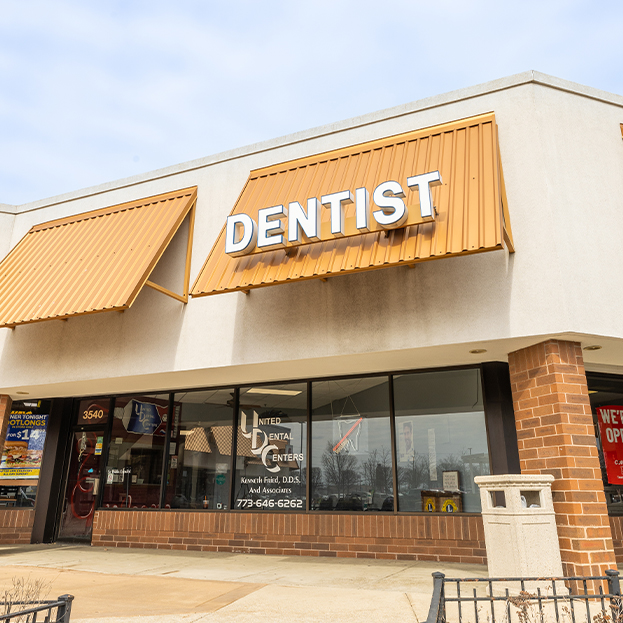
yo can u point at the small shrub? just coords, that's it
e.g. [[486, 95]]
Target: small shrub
[[23, 594]]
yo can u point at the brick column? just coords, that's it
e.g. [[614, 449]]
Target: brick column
[[5, 416], [556, 435]]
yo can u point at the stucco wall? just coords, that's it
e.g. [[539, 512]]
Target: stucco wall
[[562, 156]]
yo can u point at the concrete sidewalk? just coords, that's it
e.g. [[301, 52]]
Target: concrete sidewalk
[[113, 585]]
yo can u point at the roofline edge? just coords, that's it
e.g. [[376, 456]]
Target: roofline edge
[[444, 99]]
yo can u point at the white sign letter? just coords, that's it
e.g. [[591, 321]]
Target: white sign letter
[[240, 227], [424, 183], [393, 212], [362, 209], [299, 222], [270, 232], [335, 201]]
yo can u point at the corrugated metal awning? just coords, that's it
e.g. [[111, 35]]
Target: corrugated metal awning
[[92, 262], [471, 205]]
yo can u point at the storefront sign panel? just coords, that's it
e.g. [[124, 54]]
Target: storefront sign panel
[[425, 194], [145, 418], [23, 449], [610, 420]]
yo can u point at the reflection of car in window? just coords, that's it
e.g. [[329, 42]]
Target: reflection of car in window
[[327, 503], [180, 501], [351, 503], [388, 503]]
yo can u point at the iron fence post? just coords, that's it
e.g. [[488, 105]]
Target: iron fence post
[[614, 587], [63, 612], [437, 611]]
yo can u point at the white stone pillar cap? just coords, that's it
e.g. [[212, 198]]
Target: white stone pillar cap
[[514, 480]]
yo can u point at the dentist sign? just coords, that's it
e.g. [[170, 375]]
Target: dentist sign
[[282, 226]]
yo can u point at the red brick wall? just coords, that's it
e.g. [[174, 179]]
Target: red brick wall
[[556, 436], [448, 538], [16, 525]]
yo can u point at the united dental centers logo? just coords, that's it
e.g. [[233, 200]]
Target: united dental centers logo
[[260, 442]]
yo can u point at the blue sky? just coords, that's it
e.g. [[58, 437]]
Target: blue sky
[[95, 91]]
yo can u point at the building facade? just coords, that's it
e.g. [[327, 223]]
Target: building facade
[[313, 345]]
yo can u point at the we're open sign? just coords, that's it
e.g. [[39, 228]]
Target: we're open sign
[[611, 432]]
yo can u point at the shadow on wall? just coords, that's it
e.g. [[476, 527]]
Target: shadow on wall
[[452, 300]]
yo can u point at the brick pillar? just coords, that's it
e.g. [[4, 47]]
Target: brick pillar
[[556, 435], [5, 416]]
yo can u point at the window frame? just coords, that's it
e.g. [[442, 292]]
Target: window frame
[[235, 388]]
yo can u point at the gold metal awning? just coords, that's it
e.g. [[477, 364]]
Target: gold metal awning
[[92, 262], [472, 215]]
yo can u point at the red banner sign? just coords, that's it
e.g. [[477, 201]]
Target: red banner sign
[[610, 420]]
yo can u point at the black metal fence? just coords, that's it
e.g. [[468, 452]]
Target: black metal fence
[[57, 611], [595, 599]]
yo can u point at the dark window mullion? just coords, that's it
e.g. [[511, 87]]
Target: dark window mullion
[[165, 456], [234, 448], [308, 462], [392, 423]]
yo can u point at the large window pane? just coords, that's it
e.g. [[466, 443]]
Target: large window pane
[[200, 450], [271, 448], [351, 445], [440, 428], [134, 467]]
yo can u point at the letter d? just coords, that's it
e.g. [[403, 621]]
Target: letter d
[[240, 235]]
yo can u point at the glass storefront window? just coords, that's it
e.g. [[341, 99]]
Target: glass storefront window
[[271, 448], [135, 452], [441, 440], [606, 395], [439, 435], [199, 465], [351, 466]]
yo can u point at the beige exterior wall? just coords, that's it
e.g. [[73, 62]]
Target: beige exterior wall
[[561, 152]]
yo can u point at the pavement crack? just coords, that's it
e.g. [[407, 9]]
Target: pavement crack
[[391, 575], [412, 607], [231, 596]]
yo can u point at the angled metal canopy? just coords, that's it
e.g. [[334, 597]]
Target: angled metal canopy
[[472, 214], [93, 262]]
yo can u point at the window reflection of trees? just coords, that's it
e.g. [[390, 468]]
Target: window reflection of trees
[[352, 458], [377, 470], [416, 475], [353, 483], [340, 470]]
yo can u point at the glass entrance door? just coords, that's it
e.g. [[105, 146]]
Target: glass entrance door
[[83, 480]]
